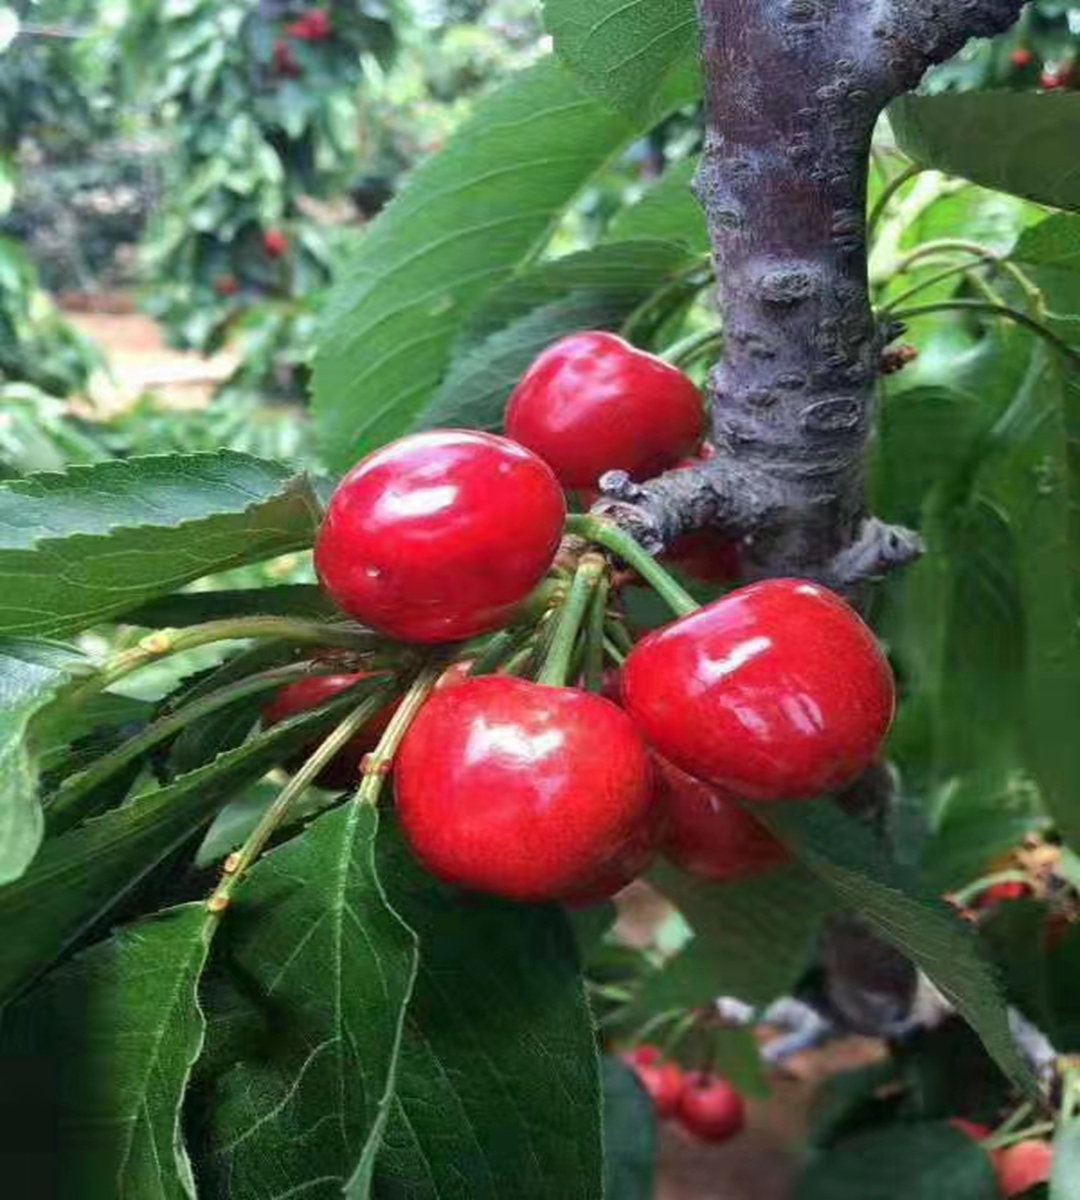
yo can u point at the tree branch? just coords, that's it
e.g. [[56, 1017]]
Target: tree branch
[[793, 90]]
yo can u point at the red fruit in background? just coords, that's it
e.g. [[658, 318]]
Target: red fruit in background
[[1022, 1166], [998, 893], [227, 285], [776, 691], [708, 833], [313, 26], [521, 790], [1021, 57], [664, 1082], [343, 770], [645, 1055], [440, 535], [285, 63], [973, 1129], [710, 1108], [593, 403], [275, 243]]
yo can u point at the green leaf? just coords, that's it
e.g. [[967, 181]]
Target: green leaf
[[853, 864], [1036, 481], [626, 51], [668, 211], [1018, 142], [1054, 242], [466, 220], [753, 938], [30, 676], [306, 600], [498, 1090], [596, 289], [630, 1134], [320, 951], [926, 1161], [97, 1059], [80, 876], [80, 547]]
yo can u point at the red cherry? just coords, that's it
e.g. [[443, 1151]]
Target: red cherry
[[710, 1108], [593, 403], [1051, 81], [998, 893], [439, 535], [645, 1055], [708, 833], [632, 860], [313, 26], [972, 1129], [664, 1082], [519, 789], [343, 770], [275, 243], [227, 285], [1021, 57], [776, 691], [285, 63], [1022, 1166]]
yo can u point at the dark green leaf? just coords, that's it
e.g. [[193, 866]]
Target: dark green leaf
[[596, 289], [626, 53], [903, 1162], [305, 600], [30, 675], [668, 211], [318, 950], [498, 1091], [753, 937], [96, 1062], [1036, 481], [78, 877], [1014, 936], [630, 1134], [848, 858], [1018, 142], [1054, 242], [467, 219], [78, 548]]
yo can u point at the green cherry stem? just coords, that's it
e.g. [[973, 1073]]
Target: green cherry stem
[[63, 808], [238, 863], [607, 534], [590, 570], [377, 764], [1019, 1135], [164, 642], [594, 635]]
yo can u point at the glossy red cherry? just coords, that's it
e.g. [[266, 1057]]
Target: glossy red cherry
[[776, 691], [305, 694], [521, 790], [710, 1108], [593, 403], [632, 860], [998, 893], [275, 243], [645, 1055], [664, 1082], [1022, 1166], [709, 834], [439, 536]]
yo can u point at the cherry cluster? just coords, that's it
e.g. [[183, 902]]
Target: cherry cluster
[[312, 26], [705, 1106], [531, 772]]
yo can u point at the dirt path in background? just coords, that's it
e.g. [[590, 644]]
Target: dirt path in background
[[140, 361]]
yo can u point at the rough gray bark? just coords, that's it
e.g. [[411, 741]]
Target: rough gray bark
[[793, 89]]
